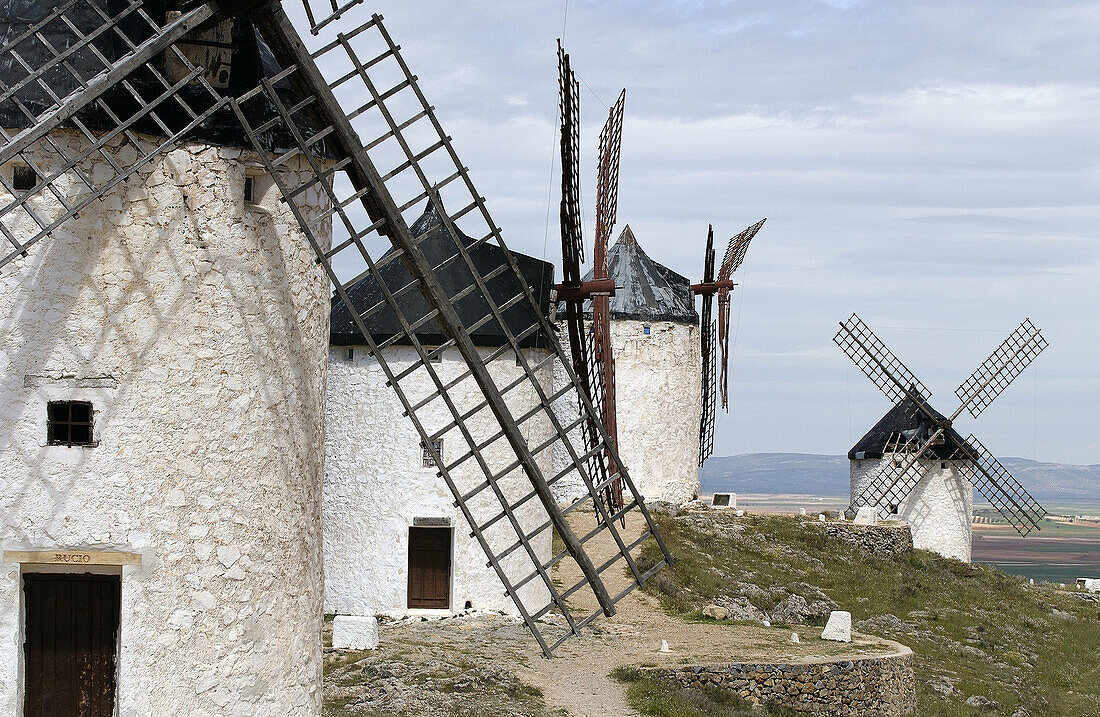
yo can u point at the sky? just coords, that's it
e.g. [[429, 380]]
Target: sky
[[933, 167]]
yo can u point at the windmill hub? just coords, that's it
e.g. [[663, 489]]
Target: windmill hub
[[585, 289], [708, 288]]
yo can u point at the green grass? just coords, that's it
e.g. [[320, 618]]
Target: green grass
[[985, 630]]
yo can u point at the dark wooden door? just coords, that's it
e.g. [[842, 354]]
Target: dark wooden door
[[71, 631], [430, 567]]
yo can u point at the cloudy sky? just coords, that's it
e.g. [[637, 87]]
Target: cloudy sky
[[933, 167]]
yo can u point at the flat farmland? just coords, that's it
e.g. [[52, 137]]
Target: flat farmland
[[1058, 553]]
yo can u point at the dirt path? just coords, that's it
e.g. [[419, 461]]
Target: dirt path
[[577, 680]]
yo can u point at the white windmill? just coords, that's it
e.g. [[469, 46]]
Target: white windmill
[[913, 465]]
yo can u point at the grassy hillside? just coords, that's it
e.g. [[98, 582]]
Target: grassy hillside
[[975, 630]]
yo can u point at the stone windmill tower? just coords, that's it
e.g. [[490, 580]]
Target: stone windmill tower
[[182, 189], [655, 340], [160, 398]]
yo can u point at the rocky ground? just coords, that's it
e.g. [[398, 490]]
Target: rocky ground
[[484, 664]]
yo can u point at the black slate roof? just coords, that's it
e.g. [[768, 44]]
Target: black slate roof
[[455, 276], [250, 61], [910, 423], [646, 290]]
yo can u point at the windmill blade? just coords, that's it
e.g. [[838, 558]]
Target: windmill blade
[[334, 9], [572, 233], [586, 365], [735, 254], [426, 168], [877, 362], [332, 166], [1000, 488], [74, 75], [736, 249], [607, 184], [1001, 368], [707, 349]]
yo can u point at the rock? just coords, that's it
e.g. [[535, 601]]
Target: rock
[[716, 612], [794, 638], [982, 703], [885, 623], [664, 646], [942, 685], [821, 517], [739, 609], [354, 632], [766, 622], [866, 515], [839, 627], [794, 610], [802, 511]]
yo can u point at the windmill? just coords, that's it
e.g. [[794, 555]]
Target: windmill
[[342, 124], [715, 335], [593, 363], [919, 445]]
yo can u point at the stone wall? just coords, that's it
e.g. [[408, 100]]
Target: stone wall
[[376, 485], [884, 539], [197, 327], [874, 686], [658, 407]]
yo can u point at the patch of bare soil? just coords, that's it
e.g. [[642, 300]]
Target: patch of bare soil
[[577, 680]]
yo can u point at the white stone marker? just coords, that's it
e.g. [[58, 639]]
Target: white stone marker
[[664, 646], [866, 515], [839, 626], [821, 517], [802, 511], [766, 622], [794, 638], [354, 632]]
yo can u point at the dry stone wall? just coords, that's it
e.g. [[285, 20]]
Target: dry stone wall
[[658, 407], [884, 539], [376, 485], [197, 326], [868, 687]]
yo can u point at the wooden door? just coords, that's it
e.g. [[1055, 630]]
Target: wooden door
[[70, 642], [430, 568]]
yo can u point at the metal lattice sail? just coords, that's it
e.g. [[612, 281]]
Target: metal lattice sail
[[898, 477], [342, 122]]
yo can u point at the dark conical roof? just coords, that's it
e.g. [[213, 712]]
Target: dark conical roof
[[249, 61], [646, 290], [455, 276], [906, 422]]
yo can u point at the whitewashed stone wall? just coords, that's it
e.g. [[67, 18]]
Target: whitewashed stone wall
[[376, 485], [939, 511], [197, 327], [658, 409]]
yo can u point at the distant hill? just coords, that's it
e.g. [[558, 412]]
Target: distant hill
[[815, 474]]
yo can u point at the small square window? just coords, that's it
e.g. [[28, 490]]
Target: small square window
[[23, 178], [426, 458], [249, 189], [645, 330], [436, 357], [69, 423], [350, 355], [943, 466]]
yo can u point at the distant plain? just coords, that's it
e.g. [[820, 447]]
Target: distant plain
[[1058, 552]]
